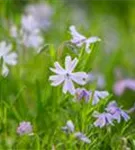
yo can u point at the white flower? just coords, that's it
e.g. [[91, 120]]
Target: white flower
[[97, 96], [82, 137], [69, 126], [41, 13], [67, 76], [8, 58], [79, 39], [33, 40]]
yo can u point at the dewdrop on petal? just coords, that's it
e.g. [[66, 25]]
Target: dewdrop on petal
[[24, 128]]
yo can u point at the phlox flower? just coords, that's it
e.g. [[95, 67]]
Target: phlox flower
[[67, 76], [79, 39], [116, 112], [8, 57], [29, 39], [95, 96], [70, 128], [24, 128], [82, 94], [103, 119]]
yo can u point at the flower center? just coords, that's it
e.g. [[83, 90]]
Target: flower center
[[67, 75]]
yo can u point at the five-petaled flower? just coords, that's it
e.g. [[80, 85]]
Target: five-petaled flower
[[79, 39], [8, 58], [67, 75], [117, 112], [103, 119]]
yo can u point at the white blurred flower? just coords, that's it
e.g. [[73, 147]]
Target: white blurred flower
[[8, 58], [82, 137], [79, 39], [67, 76], [29, 39], [29, 23], [33, 40], [41, 13]]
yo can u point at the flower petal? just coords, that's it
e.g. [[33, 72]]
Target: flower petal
[[68, 62], [58, 67], [68, 86], [79, 77], [77, 37], [73, 64], [56, 79]]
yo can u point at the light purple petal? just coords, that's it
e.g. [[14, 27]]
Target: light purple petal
[[68, 63], [93, 39], [56, 79], [58, 67], [73, 64], [79, 77], [68, 86]]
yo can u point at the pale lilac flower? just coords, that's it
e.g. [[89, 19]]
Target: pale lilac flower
[[122, 85], [79, 39], [82, 137], [67, 76], [8, 57], [28, 39], [94, 96], [97, 95], [103, 119], [116, 112], [82, 93], [33, 40], [69, 128], [24, 128]]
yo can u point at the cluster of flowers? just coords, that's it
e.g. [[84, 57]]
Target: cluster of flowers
[[28, 35], [113, 112], [67, 77]]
